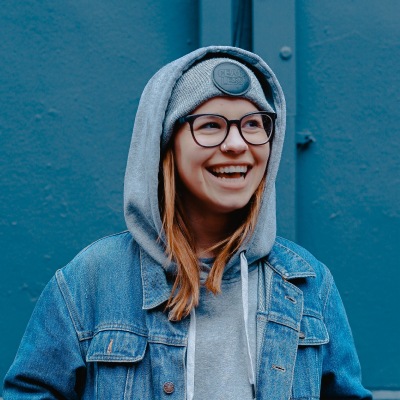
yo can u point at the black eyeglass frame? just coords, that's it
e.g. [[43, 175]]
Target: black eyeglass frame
[[191, 118]]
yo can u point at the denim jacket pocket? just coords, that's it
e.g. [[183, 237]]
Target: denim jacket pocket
[[113, 359], [307, 374], [312, 329]]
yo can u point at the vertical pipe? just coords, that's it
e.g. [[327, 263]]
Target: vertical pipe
[[274, 39], [215, 22]]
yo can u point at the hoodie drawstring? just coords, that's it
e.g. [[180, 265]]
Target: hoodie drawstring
[[191, 348], [244, 273]]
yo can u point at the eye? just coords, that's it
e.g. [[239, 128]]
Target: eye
[[252, 123], [210, 125]]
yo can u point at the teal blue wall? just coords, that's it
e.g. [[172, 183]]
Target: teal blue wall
[[71, 75], [348, 181]]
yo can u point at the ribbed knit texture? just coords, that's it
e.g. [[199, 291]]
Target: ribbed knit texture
[[196, 86]]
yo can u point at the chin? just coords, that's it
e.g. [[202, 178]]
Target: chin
[[232, 207]]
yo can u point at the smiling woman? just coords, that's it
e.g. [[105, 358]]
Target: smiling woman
[[200, 298], [223, 178]]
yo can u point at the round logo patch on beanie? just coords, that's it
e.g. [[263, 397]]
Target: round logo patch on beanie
[[231, 78]]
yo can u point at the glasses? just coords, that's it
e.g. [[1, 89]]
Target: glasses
[[210, 130]]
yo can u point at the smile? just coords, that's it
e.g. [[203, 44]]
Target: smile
[[230, 171]]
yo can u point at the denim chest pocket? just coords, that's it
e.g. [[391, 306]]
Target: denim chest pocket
[[113, 360], [313, 331], [308, 368]]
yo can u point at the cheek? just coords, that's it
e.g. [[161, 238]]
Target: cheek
[[268, 155], [187, 159], [262, 156], [182, 161], [179, 146]]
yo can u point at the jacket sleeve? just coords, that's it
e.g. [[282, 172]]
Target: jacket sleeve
[[49, 362], [341, 375]]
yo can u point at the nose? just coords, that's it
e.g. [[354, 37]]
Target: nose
[[234, 142]]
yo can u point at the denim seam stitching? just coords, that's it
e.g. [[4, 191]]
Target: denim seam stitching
[[328, 293], [120, 328], [296, 255], [62, 284], [99, 240]]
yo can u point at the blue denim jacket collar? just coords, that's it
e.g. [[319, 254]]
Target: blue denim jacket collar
[[155, 286], [289, 264], [156, 289]]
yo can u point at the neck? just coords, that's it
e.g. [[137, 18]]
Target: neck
[[208, 229]]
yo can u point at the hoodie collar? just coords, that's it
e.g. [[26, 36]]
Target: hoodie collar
[[283, 259]]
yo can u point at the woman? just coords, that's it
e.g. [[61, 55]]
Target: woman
[[199, 299]]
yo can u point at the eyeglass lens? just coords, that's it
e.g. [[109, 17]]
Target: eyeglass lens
[[210, 130]]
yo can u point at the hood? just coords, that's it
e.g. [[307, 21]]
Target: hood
[[141, 209]]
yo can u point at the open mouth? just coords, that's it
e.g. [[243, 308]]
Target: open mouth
[[230, 172]]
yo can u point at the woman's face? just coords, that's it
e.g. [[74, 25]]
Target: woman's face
[[220, 179]]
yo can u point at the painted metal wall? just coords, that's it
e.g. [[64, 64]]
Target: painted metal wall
[[71, 77], [348, 181], [70, 81]]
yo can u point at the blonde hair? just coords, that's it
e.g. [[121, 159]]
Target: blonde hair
[[181, 247]]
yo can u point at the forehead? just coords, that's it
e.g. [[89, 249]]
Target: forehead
[[225, 105]]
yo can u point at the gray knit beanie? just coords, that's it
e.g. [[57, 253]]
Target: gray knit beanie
[[207, 79]]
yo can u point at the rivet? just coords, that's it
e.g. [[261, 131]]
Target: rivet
[[302, 335], [168, 387], [110, 346], [285, 53]]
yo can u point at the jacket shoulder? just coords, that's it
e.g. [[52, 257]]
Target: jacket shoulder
[[294, 261], [102, 285], [104, 248]]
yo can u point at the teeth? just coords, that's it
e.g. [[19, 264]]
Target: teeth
[[231, 169]]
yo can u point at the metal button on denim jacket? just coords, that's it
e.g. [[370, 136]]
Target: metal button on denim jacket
[[99, 331]]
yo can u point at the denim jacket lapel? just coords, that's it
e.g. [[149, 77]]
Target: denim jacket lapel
[[280, 310]]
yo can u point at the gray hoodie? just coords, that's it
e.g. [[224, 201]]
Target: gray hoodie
[[143, 220]]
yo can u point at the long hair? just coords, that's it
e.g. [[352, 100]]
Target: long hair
[[181, 248]]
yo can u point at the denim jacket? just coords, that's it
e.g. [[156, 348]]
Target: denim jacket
[[99, 331]]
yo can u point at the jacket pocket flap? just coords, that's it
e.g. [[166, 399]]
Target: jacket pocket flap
[[116, 346], [313, 331]]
